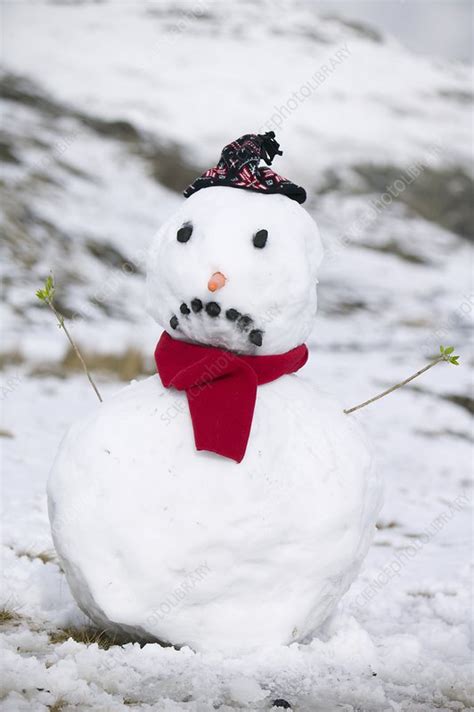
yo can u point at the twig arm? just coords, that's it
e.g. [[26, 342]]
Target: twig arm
[[62, 325], [445, 355], [46, 295]]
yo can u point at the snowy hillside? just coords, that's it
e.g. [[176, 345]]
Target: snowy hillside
[[108, 111]]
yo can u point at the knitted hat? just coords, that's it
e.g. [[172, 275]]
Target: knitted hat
[[238, 168]]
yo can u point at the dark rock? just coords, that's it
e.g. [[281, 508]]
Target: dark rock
[[7, 155], [359, 29], [463, 401], [110, 255], [444, 196], [391, 247]]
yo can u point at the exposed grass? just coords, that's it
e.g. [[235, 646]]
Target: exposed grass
[[125, 366], [128, 365], [439, 194], [166, 162], [87, 636], [462, 400], [420, 594], [46, 556], [58, 705], [446, 432], [387, 525], [11, 358], [8, 615], [391, 247]]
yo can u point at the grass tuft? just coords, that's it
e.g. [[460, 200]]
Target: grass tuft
[[46, 556], [87, 636], [7, 615]]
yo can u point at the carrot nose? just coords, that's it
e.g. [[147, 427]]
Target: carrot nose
[[216, 282]]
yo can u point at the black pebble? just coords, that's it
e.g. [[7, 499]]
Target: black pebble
[[174, 322], [184, 233], [260, 238], [256, 337], [184, 309], [213, 309], [244, 322], [282, 703], [232, 314], [196, 305]]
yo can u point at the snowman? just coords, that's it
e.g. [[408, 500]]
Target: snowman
[[224, 503]]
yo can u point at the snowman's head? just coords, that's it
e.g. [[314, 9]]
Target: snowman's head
[[236, 269]]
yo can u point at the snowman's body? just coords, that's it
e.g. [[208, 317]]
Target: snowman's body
[[190, 547]]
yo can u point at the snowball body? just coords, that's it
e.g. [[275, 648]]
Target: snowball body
[[191, 548]]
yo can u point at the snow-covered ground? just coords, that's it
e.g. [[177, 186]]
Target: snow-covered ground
[[108, 110], [399, 641]]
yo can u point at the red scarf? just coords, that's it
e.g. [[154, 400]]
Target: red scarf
[[221, 388]]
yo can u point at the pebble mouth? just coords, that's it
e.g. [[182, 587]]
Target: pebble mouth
[[242, 322]]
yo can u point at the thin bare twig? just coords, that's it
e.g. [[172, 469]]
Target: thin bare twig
[[62, 325], [46, 295], [445, 356]]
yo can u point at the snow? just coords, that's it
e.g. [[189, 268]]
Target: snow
[[396, 282], [410, 627]]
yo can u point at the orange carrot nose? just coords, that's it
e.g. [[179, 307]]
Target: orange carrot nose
[[216, 282]]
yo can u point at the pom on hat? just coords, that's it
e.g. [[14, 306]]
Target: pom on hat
[[239, 168]]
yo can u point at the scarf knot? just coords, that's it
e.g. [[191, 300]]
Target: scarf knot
[[221, 388]]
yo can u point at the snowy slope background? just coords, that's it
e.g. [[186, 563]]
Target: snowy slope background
[[108, 111]]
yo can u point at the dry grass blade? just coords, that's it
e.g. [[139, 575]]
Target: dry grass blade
[[7, 615], [88, 636]]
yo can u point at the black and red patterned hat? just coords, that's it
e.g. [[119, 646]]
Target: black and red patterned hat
[[239, 168]]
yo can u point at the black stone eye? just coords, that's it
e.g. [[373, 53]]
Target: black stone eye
[[184, 233], [260, 238]]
